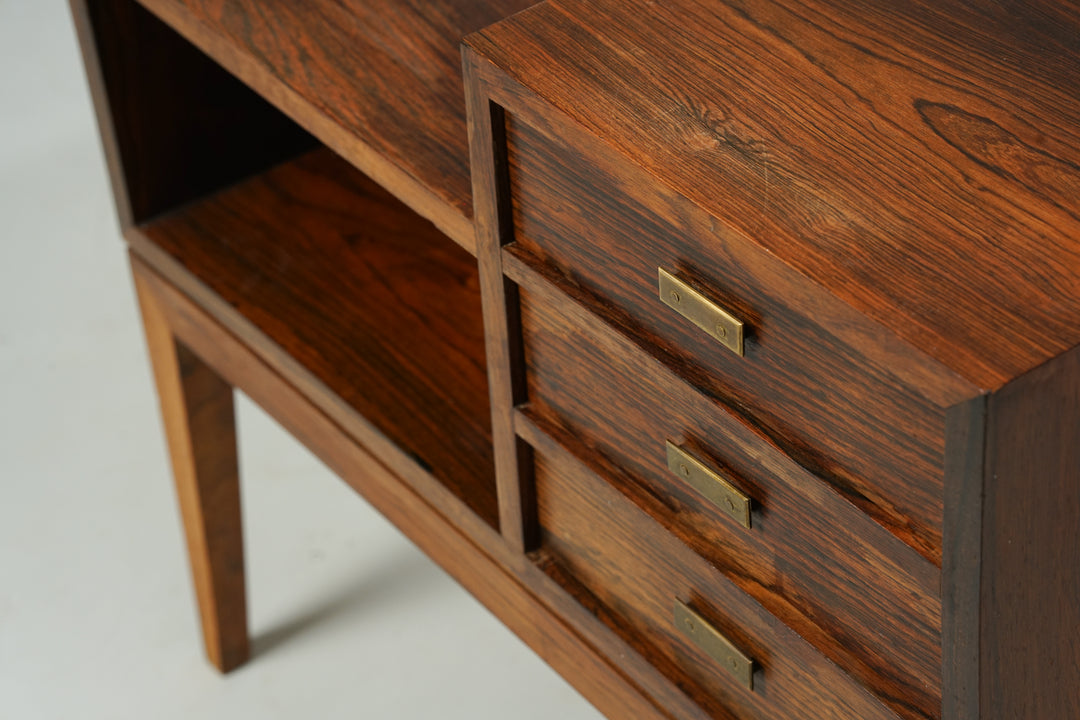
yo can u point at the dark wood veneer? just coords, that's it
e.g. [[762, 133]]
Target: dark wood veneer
[[513, 464], [914, 162], [1029, 647], [365, 297], [379, 82], [636, 570], [919, 160], [505, 581], [886, 191], [962, 558], [812, 559], [601, 226]]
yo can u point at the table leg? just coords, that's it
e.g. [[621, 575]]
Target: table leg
[[197, 409]]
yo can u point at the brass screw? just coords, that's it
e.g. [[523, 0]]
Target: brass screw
[[675, 296], [730, 504], [684, 470], [721, 330], [734, 663], [689, 623]]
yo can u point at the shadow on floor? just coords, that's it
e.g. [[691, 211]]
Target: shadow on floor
[[404, 575]]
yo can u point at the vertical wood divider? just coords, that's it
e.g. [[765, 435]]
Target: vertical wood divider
[[502, 321]]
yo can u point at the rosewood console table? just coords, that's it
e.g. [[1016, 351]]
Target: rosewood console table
[[728, 350]]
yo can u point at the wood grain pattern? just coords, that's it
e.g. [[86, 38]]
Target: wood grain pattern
[[1029, 651], [304, 411], [896, 180], [174, 124], [636, 570], [605, 228], [370, 302], [879, 345], [520, 595], [379, 82], [862, 597], [197, 410], [918, 160], [513, 462]]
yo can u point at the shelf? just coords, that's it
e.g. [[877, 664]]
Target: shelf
[[366, 306], [378, 82]]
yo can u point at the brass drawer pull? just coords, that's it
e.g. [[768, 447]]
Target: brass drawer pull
[[709, 483], [719, 648], [701, 311]]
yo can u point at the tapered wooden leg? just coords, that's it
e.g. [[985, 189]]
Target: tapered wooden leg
[[197, 406]]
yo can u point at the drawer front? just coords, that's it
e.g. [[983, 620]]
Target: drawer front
[[680, 613], [851, 588], [846, 399]]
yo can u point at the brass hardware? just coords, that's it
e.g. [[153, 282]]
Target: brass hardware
[[719, 648], [709, 483], [701, 311]]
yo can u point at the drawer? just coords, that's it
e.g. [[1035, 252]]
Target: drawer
[[645, 584], [855, 591], [837, 392]]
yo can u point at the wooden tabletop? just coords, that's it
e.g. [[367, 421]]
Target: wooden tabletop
[[921, 160]]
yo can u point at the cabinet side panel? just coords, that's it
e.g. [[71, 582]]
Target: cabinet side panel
[[174, 124], [965, 443], [1030, 590]]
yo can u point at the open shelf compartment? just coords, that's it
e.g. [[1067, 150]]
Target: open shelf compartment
[[378, 82], [363, 304]]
